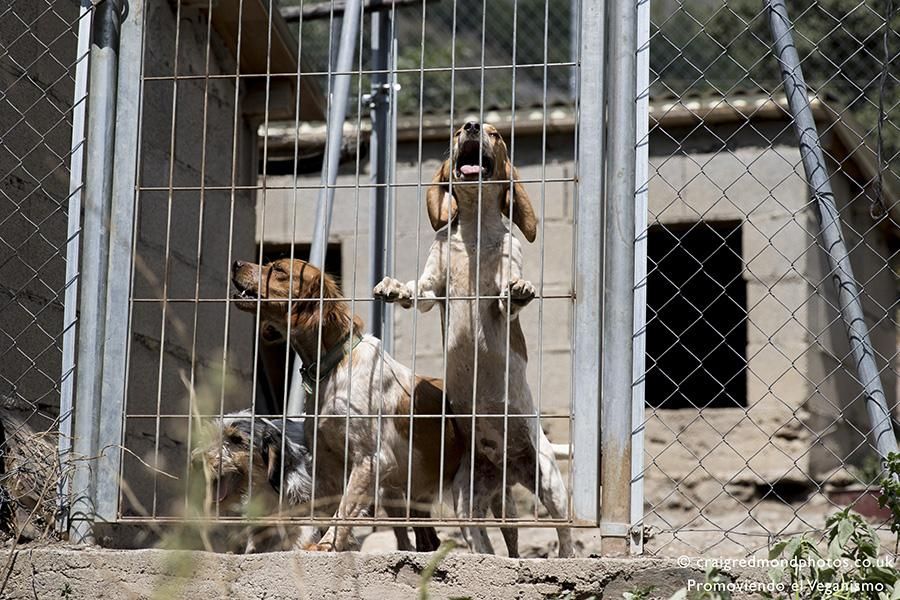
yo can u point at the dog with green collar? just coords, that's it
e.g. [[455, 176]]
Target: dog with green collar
[[349, 374]]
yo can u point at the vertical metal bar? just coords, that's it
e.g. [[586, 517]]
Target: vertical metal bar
[[95, 249], [618, 269], [232, 200], [642, 171], [262, 228], [167, 260], [387, 333], [415, 308], [574, 46], [588, 243], [70, 308], [379, 153], [128, 107], [192, 407], [335, 129], [829, 220]]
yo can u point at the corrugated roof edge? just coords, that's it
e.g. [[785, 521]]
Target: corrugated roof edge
[[856, 145]]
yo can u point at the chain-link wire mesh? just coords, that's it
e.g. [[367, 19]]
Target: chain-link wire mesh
[[38, 41], [493, 34], [756, 424]]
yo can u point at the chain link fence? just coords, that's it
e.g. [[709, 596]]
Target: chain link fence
[[38, 59], [756, 424], [469, 34]]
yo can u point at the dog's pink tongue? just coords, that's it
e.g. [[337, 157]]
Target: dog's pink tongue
[[470, 169]]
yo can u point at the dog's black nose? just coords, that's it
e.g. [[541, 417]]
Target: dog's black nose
[[471, 127]]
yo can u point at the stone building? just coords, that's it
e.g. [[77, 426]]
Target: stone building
[[748, 376]]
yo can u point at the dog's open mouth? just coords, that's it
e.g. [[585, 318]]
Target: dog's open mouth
[[224, 486], [468, 165], [242, 293]]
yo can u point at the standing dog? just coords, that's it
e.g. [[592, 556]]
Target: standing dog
[[478, 255], [352, 382]]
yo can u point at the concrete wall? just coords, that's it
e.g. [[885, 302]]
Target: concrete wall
[[184, 240], [755, 179], [37, 79], [96, 574]]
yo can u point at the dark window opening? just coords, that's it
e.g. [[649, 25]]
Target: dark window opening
[[696, 316], [275, 361]]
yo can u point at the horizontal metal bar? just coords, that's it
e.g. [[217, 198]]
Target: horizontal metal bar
[[317, 300], [363, 522], [358, 72], [319, 186], [325, 10], [405, 416]]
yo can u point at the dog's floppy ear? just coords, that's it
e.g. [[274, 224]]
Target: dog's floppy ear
[[270, 450], [523, 214], [441, 205]]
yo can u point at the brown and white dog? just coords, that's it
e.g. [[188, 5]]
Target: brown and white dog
[[471, 192], [355, 382]]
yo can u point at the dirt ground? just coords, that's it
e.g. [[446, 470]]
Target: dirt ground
[[742, 531]]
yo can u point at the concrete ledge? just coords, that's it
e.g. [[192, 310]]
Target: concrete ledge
[[73, 572]]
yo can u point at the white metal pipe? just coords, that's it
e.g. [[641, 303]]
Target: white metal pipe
[[121, 244], [95, 250], [337, 114], [618, 282], [588, 244]]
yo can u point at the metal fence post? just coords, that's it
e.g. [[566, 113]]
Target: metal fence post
[[337, 114], [95, 250], [73, 239], [642, 193], [618, 267], [115, 356], [829, 220], [588, 244], [381, 100]]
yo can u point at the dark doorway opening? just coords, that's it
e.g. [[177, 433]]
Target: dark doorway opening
[[696, 316]]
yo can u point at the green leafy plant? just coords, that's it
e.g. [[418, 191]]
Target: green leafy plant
[[890, 493], [850, 566], [847, 569], [846, 563], [639, 593]]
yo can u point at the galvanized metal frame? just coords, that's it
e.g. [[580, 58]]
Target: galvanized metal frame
[[121, 259], [95, 251], [586, 405], [641, 207], [618, 282], [73, 260], [121, 247]]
